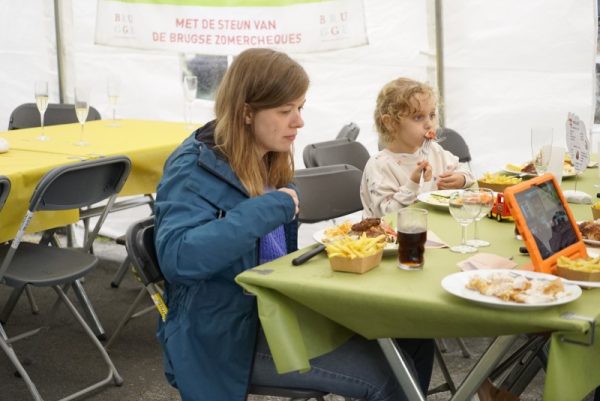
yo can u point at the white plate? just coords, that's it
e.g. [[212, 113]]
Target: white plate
[[455, 284], [566, 173], [587, 284], [431, 199], [319, 236]]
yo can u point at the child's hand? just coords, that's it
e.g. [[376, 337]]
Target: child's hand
[[450, 180], [423, 167]]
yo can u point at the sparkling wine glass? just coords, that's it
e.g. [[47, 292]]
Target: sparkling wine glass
[[113, 90], [41, 100], [464, 207], [190, 89], [82, 107], [486, 201], [541, 148]]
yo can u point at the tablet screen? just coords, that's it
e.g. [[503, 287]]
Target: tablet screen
[[546, 218]]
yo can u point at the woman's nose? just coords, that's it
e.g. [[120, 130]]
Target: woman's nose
[[298, 121]]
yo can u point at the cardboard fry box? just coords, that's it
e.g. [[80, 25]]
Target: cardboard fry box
[[493, 187], [577, 275], [356, 265]]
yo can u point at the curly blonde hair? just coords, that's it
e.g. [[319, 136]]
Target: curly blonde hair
[[397, 99]]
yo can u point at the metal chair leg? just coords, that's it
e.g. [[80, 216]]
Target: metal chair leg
[[10, 352], [34, 308], [449, 384], [463, 347], [88, 310], [120, 274], [10, 304], [126, 317]]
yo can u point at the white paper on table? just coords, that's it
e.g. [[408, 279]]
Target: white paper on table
[[577, 142]]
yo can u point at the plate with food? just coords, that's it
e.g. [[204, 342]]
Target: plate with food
[[371, 227], [528, 169], [511, 289], [590, 231], [438, 198]]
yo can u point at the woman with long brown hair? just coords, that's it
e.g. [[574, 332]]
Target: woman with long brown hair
[[225, 204]]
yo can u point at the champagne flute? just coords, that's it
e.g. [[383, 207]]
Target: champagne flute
[[541, 148], [41, 100], [190, 89], [486, 201], [82, 107], [464, 207], [113, 89]]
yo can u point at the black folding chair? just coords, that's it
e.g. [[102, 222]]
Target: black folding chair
[[27, 115], [454, 143], [338, 151], [65, 187], [142, 252]]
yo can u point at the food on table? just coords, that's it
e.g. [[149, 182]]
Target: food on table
[[495, 178], [529, 168], [581, 269], [371, 227], [590, 229], [588, 264], [517, 288], [439, 197], [349, 247]]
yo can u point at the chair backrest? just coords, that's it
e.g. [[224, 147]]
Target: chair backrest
[[4, 189], [453, 142], [28, 116], [73, 186], [339, 151], [139, 241], [80, 184], [350, 131], [328, 192]]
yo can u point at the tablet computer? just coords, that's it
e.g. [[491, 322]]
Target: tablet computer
[[545, 221]]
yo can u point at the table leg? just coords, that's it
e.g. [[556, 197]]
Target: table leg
[[401, 370], [484, 366]]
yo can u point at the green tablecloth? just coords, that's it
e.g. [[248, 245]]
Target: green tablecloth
[[309, 310]]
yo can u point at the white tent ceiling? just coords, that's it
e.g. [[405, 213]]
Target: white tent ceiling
[[509, 65]]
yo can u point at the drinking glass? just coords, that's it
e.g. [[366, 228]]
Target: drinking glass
[[541, 148], [486, 201], [464, 207], [82, 107], [113, 90], [412, 234], [41, 100], [190, 89]]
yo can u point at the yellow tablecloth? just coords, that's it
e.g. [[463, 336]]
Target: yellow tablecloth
[[146, 143], [308, 310]]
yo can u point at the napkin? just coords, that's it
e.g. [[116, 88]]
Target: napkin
[[577, 197], [482, 261], [433, 241]]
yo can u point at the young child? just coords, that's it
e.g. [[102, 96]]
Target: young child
[[411, 163]]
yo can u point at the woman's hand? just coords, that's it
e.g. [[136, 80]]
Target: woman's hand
[[450, 180], [423, 167], [294, 196]]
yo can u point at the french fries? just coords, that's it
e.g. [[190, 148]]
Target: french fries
[[348, 247], [582, 264], [501, 179]]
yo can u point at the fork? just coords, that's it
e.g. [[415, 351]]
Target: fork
[[425, 152]]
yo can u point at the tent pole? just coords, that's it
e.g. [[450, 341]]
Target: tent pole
[[59, 50], [439, 60]]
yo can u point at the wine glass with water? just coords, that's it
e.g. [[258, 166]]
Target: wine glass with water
[[41, 101], [541, 148], [486, 201], [464, 207], [82, 107]]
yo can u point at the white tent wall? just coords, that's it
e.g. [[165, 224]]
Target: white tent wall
[[509, 65]]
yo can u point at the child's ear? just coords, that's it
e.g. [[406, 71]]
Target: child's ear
[[388, 122]]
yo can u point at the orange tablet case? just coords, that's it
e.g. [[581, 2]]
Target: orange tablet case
[[541, 264]]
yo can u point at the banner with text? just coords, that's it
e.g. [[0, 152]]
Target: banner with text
[[228, 27]]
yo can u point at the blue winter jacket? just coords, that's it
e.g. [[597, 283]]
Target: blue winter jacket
[[207, 232]]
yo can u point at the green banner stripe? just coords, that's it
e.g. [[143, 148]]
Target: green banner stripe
[[223, 3]]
